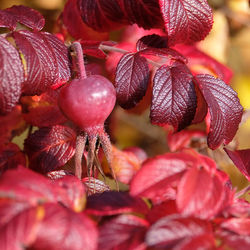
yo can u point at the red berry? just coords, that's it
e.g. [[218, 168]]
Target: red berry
[[88, 102]]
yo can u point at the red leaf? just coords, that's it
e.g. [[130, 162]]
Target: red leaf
[[40, 60], [132, 78], [234, 241], [76, 27], [20, 229], [50, 147], [158, 174], [21, 14], [101, 15], [161, 210], [241, 159], [125, 232], [174, 98], [11, 75], [71, 192], [186, 21], [22, 184], [43, 110], [111, 202], [224, 107], [171, 231], [240, 226], [64, 229], [10, 157], [200, 194], [194, 190]]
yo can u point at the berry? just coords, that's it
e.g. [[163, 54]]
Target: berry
[[88, 102]]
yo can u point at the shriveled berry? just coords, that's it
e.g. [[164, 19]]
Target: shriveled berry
[[88, 102]]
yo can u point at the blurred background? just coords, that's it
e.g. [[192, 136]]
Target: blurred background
[[228, 42]]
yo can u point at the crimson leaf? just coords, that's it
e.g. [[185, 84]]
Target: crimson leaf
[[172, 230], [224, 107], [186, 21], [131, 81], [64, 229], [101, 15], [24, 185], [11, 75], [157, 174], [125, 232], [200, 194], [241, 159], [20, 229], [22, 14], [50, 147], [111, 202], [174, 98]]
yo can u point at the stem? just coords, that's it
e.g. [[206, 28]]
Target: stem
[[76, 46], [122, 51], [80, 145]]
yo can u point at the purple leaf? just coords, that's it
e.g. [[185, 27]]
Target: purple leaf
[[27, 16], [224, 107], [50, 147], [64, 229], [153, 41], [62, 59], [111, 202], [40, 60], [125, 232], [101, 15], [131, 81], [186, 21], [241, 159], [21, 14], [11, 156], [172, 230], [174, 98], [11, 76], [144, 13]]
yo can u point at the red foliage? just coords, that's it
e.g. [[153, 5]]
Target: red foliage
[[178, 200]]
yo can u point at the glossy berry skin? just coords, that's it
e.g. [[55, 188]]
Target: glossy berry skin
[[88, 102]]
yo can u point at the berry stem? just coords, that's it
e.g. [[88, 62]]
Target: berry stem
[[122, 51], [76, 46], [80, 145]]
